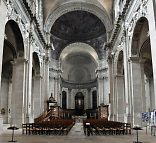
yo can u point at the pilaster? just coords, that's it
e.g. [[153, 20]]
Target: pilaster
[[137, 88], [69, 105], [151, 9], [47, 94], [29, 107], [89, 98], [3, 13], [18, 92], [120, 99], [37, 96]]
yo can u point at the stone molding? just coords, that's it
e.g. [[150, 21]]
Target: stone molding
[[72, 85], [134, 59], [130, 22], [22, 19], [101, 70], [119, 75], [141, 11]]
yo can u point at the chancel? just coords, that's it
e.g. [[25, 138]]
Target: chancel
[[78, 68]]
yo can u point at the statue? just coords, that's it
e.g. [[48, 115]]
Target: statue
[[51, 98]]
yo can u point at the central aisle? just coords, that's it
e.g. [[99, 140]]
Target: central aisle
[[77, 131]]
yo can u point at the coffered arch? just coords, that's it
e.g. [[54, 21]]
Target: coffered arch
[[90, 6]]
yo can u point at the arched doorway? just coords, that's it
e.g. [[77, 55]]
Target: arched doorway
[[36, 86], [94, 99], [120, 89], [12, 85], [141, 71], [64, 100], [79, 103], [78, 64]]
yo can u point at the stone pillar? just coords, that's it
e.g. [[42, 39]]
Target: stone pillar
[[9, 101], [56, 89], [17, 108], [115, 100], [106, 89], [152, 97], [111, 82], [3, 14], [137, 88], [89, 98], [120, 97], [86, 99], [73, 99], [151, 9], [51, 80], [69, 105], [47, 94], [100, 90], [37, 96], [29, 112], [42, 85], [4, 98]]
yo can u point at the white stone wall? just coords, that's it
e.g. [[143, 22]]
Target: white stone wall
[[103, 82], [3, 12], [27, 102], [4, 100], [137, 10]]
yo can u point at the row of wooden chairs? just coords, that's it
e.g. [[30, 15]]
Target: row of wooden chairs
[[99, 127], [48, 128]]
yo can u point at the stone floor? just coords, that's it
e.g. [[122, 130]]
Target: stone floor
[[76, 135]]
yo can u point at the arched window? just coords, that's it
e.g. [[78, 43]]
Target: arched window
[[94, 98], [64, 100]]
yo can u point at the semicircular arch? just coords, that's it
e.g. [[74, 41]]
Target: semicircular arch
[[64, 8]]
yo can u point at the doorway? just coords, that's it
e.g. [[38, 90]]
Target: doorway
[[79, 103]]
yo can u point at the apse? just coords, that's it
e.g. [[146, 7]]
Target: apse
[[78, 65]]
